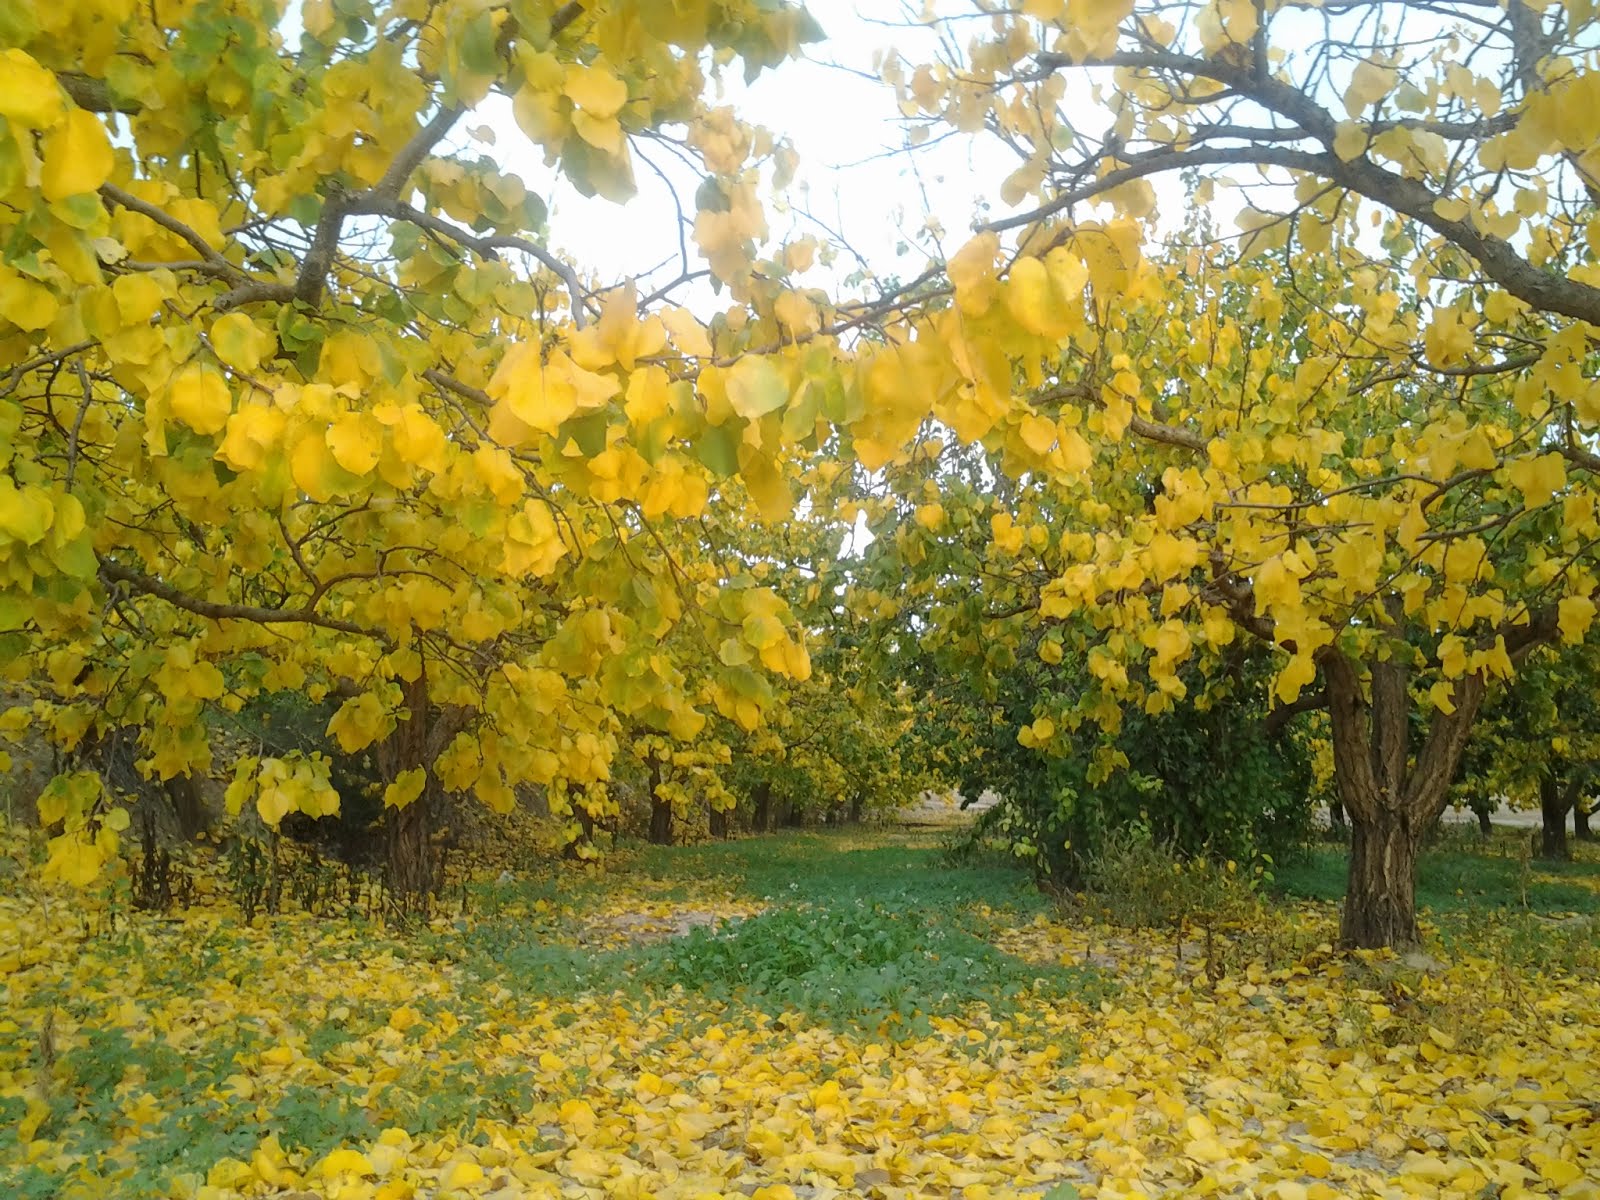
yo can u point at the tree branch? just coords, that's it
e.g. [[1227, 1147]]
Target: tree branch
[[208, 253], [1543, 290], [114, 572]]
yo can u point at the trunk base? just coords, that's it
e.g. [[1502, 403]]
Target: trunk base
[[1380, 907], [411, 862]]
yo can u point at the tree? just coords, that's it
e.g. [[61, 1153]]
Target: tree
[[951, 583], [1368, 451], [1539, 740], [294, 395]]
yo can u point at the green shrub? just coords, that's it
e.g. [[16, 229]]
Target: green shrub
[[1141, 883]]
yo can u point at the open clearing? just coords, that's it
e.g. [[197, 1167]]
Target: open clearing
[[567, 1038]]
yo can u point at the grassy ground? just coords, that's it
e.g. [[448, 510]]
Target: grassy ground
[[875, 1022], [1465, 872]]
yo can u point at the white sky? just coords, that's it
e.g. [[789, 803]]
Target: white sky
[[846, 128]]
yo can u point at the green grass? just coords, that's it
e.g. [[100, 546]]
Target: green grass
[[835, 867], [878, 937], [1462, 873]]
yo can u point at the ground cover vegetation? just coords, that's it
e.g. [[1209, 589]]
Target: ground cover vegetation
[[406, 626]]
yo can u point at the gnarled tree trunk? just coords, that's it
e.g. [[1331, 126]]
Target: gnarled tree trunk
[[1390, 796]]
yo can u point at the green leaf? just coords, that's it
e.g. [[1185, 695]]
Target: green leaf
[[718, 447]]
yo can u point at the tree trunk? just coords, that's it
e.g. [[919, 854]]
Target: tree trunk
[[660, 808], [1580, 821], [1390, 796], [717, 823], [762, 819], [411, 860], [1485, 825], [1380, 904], [187, 806], [858, 804], [573, 850], [1553, 803]]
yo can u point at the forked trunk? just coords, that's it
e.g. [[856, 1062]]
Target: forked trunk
[[1580, 821], [1390, 795]]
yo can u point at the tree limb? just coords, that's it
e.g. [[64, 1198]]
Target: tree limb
[[1543, 290], [114, 572]]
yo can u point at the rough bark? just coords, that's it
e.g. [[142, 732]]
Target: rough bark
[[411, 861], [1380, 907], [761, 820], [1485, 825]]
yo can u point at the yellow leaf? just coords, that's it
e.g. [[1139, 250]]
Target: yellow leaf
[[29, 94], [1349, 141], [313, 467], [356, 440], [77, 157], [26, 304], [26, 514], [461, 1174], [239, 341], [1574, 616], [407, 786], [603, 133], [595, 90], [756, 386], [1038, 433], [1538, 478], [273, 803], [344, 1162], [1369, 83], [971, 272], [199, 397]]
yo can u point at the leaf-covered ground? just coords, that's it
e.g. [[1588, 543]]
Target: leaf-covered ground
[[595, 1035]]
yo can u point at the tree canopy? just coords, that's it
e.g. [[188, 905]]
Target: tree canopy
[[301, 394]]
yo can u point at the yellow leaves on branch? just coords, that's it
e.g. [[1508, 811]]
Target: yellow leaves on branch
[[295, 782], [536, 394]]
